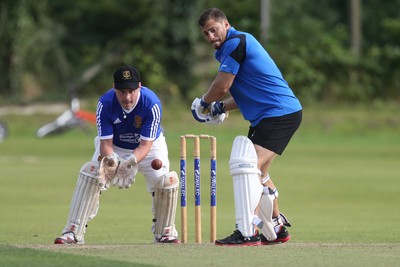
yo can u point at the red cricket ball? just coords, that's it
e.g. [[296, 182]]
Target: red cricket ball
[[156, 164]]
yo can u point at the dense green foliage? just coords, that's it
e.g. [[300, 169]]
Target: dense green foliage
[[57, 48]]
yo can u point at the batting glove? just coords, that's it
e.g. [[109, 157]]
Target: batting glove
[[217, 108], [204, 104], [200, 110]]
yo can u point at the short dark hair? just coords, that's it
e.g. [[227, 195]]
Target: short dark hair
[[211, 13]]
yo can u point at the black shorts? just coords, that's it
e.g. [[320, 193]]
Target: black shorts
[[275, 133]]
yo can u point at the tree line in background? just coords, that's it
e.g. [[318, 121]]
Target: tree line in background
[[55, 49]]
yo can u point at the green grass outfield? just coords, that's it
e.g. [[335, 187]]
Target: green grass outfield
[[339, 184]]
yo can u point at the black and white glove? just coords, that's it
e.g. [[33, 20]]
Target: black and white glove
[[217, 108], [200, 110], [213, 113]]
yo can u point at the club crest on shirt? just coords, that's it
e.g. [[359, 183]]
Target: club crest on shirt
[[138, 121]]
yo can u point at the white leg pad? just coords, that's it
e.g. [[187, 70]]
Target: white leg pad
[[85, 200], [165, 201], [246, 183], [266, 208]]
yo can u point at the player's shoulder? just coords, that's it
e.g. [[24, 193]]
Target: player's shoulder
[[108, 96], [148, 97], [234, 40], [148, 93], [235, 35]]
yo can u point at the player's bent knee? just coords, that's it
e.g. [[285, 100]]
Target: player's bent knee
[[265, 214], [90, 169], [169, 180]]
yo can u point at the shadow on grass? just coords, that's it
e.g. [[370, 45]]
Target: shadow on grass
[[11, 256]]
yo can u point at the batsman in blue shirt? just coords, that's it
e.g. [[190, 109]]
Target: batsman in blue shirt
[[249, 80]]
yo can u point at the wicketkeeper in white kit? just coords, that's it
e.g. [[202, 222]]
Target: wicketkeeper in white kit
[[129, 138]]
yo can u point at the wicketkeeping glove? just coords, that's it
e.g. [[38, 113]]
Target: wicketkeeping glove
[[127, 170], [108, 169]]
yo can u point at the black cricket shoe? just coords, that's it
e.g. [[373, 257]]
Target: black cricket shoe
[[282, 237], [237, 239]]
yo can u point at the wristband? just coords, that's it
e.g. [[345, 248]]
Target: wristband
[[204, 103]]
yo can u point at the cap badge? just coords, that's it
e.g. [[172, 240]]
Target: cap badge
[[126, 75]]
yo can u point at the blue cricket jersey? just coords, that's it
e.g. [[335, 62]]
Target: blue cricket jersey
[[259, 89], [127, 129]]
